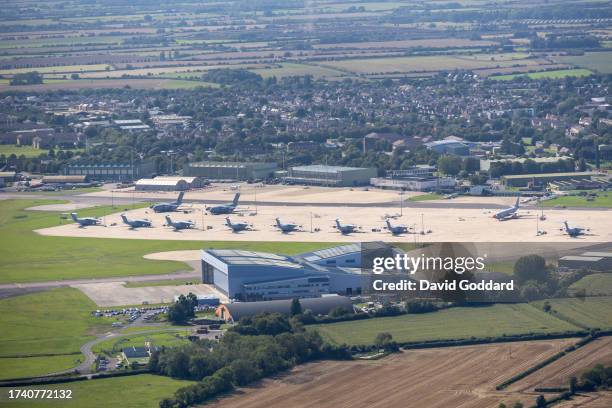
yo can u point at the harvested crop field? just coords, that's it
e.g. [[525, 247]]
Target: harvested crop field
[[429, 63], [558, 373], [106, 83], [443, 377]]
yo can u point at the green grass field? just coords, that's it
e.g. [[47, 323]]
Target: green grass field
[[454, 323], [602, 200], [29, 257], [138, 391], [23, 367], [557, 74], [57, 69], [27, 151], [58, 321], [46, 330], [594, 285], [596, 61], [290, 69], [426, 197], [428, 63], [591, 312]]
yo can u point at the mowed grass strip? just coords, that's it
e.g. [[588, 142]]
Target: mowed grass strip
[[591, 312], [25, 367], [138, 391], [455, 323], [29, 257], [602, 200], [58, 321]]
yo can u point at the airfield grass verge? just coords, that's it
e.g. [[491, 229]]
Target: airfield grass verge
[[426, 197], [29, 257], [603, 200], [53, 322], [454, 323], [25, 367], [137, 391]]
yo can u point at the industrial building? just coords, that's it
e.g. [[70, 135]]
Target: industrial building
[[523, 180], [192, 182], [417, 178], [65, 179], [449, 146], [161, 185], [230, 171], [595, 261], [248, 275], [7, 177], [233, 312], [111, 171], [332, 176]]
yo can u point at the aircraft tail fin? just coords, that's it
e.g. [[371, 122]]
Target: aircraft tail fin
[[338, 223], [517, 201], [278, 223], [388, 224], [125, 219], [179, 200], [228, 222], [74, 217], [168, 220], [567, 228], [236, 198]]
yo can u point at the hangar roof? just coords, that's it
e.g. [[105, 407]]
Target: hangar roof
[[240, 257], [332, 252]]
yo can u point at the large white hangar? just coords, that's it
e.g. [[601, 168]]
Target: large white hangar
[[248, 275]]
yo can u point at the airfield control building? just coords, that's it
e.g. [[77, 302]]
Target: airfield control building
[[251, 275]]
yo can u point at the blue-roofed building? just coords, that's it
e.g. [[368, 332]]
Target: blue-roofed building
[[252, 275]]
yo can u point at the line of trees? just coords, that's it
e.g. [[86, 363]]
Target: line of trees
[[529, 166], [255, 348]]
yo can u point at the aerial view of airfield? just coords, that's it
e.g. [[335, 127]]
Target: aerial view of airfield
[[306, 203]]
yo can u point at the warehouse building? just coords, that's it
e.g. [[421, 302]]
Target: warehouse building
[[111, 171], [192, 182], [332, 176], [523, 180], [7, 177], [417, 178], [233, 312], [248, 275], [230, 171], [65, 179], [595, 261], [449, 146], [161, 185]]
